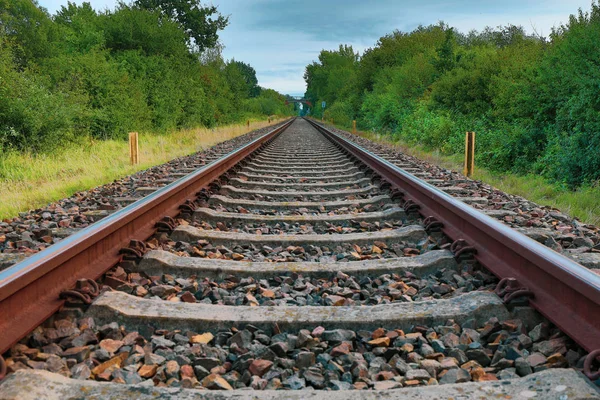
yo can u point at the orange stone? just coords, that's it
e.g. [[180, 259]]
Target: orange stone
[[477, 374], [111, 345], [115, 361], [415, 335], [147, 371], [342, 349], [251, 300], [187, 371], [509, 326], [219, 370], [556, 358], [377, 333], [407, 347], [260, 367], [216, 382], [380, 342], [205, 338]]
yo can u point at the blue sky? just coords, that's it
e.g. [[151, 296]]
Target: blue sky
[[279, 37]]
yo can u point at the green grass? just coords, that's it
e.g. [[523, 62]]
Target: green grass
[[582, 204], [29, 181]]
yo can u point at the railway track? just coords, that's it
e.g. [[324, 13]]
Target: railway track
[[298, 262]]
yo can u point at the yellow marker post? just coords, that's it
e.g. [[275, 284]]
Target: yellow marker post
[[354, 126], [469, 154], [134, 156]]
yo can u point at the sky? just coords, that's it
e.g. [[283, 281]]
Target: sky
[[279, 37]]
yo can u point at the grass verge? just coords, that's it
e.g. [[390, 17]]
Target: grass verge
[[29, 181], [582, 203]]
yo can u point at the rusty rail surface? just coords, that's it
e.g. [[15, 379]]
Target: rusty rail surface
[[29, 290], [562, 290]]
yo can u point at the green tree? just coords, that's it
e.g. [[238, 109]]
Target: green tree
[[249, 76], [129, 28], [333, 77], [28, 29], [446, 57], [200, 23], [79, 27], [570, 98]]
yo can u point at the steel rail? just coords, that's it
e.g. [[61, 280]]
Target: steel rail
[[564, 291], [29, 290]]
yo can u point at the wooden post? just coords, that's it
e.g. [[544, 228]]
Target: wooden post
[[134, 155], [248, 124], [354, 126], [469, 154], [269, 119]]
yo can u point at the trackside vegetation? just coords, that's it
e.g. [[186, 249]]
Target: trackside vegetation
[[147, 66], [534, 102], [581, 203], [32, 180]]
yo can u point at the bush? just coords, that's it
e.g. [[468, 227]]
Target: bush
[[534, 104], [341, 112], [432, 129], [84, 73], [31, 116], [382, 112]]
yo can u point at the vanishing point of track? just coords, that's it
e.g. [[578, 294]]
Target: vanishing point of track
[[305, 260]]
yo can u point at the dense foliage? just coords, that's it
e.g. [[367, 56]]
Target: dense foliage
[[153, 65], [533, 102]]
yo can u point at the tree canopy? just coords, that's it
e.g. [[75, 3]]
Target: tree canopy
[[200, 23], [151, 67], [533, 101]]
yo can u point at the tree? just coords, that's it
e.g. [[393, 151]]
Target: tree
[[446, 59], [249, 75], [79, 28], [200, 23], [28, 29], [333, 77], [130, 28]]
